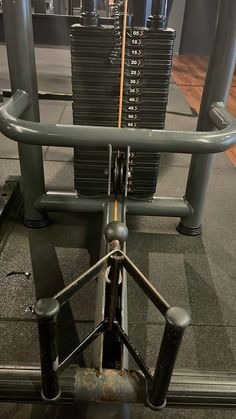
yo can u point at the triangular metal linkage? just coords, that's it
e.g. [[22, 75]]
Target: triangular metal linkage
[[47, 310]]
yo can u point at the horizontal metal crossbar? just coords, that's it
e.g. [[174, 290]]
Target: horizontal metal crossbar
[[188, 388], [71, 202], [138, 139]]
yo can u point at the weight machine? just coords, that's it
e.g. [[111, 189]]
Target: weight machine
[[117, 135]]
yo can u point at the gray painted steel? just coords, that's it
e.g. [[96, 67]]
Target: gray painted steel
[[21, 61], [71, 202], [161, 206], [108, 216], [216, 89], [138, 139], [200, 19], [221, 66], [176, 20], [55, 201], [188, 388]]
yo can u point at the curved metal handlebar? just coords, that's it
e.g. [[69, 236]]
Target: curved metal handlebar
[[36, 133]]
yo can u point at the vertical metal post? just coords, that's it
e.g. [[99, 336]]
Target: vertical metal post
[[21, 60], [159, 7], [46, 311], [89, 13], [176, 322], [70, 8], [89, 6], [141, 11], [218, 81], [158, 19]]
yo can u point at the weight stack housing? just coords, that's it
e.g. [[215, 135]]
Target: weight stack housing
[[95, 85]]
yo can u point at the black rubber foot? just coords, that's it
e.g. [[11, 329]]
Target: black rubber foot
[[36, 223], [188, 231]]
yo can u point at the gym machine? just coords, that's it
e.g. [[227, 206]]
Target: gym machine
[[117, 137]]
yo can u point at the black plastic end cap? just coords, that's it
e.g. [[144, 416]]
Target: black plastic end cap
[[116, 230], [178, 318], [47, 308]]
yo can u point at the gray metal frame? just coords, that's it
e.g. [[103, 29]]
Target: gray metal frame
[[34, 133], [217, 84], [21, 62], [189, 208], [19, 42]]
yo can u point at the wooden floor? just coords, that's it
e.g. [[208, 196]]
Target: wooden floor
[[189, 74]]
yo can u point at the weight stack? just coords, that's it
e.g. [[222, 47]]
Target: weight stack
[[95, 85]]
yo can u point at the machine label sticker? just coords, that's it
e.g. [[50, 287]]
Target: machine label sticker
[[138, 33], [133, 99], [136, 52], [135, 62]]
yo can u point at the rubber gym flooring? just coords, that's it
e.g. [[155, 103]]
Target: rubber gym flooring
[[195, 273]]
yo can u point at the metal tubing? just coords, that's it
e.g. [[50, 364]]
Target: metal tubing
[[177, 320], [89, 13], [159, 7], [221, 65], [70, 7], [141, 11], [138, 139], [134, 352], [161, 206], [159, 14], [82, 346], [66, 293], [216, 89], [89, 6], [99, 314], [188, 388], [69, 202], [46, 311], [21, 61], [114, 276], [146, 286], [196, 192]]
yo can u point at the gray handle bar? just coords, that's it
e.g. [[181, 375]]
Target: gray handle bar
[[138, 139]]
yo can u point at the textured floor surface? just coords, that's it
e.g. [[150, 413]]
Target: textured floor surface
[[195, 273]]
